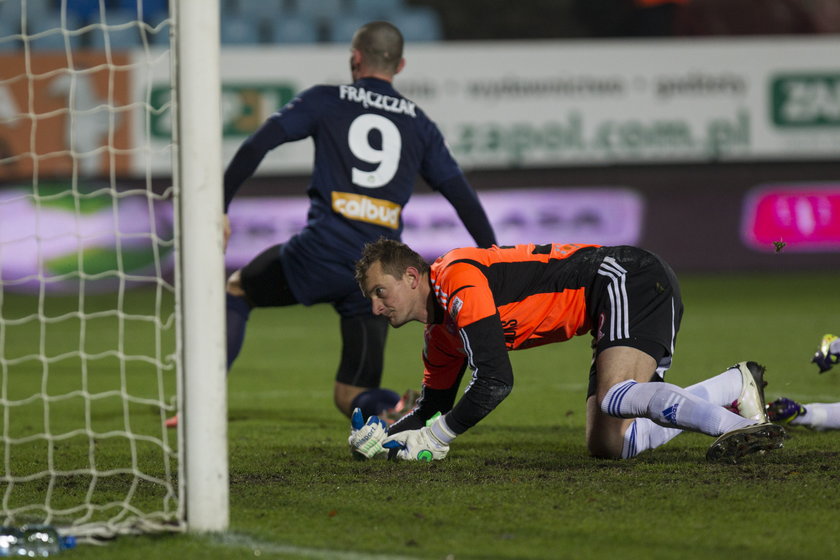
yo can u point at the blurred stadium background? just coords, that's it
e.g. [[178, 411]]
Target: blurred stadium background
[[705, 130]]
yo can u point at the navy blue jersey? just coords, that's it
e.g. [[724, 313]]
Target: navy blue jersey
[[370, 145]]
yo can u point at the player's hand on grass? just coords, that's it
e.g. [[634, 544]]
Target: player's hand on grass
[[366, 437], [426, 444]]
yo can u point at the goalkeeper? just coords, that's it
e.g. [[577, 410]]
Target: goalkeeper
[[371, 143], [478, 304]]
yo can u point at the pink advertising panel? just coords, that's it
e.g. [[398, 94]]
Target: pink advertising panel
[[603, 215], [55, 245], [802, 217]]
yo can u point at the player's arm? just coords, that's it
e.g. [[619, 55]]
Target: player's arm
[[249, 156], [464, 199], [492, 382], [440, 170], [444, 366], [492, 373], [431, 402], [245, 162], [296, 120]]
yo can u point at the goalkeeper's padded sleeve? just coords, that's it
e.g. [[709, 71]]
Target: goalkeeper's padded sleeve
[[431, 402], [493, 374]]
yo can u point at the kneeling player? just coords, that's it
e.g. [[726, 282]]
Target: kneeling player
[[480, 303]]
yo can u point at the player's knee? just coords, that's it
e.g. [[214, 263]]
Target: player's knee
[[341, 404], [343, 395], [602, 448], [234, 284], [604, 434]]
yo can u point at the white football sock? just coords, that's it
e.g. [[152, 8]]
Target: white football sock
[[644, 434], [819, 416], [722, 389], [668, 406]]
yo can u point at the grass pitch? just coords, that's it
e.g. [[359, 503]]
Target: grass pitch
[[520, 484]]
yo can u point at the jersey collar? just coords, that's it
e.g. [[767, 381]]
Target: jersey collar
[[374, 84]]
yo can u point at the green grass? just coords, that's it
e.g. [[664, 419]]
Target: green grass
[[520, 484]]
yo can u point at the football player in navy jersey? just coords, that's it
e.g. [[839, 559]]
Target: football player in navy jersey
[[371, 143]]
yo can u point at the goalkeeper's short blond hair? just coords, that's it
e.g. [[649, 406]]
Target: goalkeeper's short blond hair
[[393, 256]]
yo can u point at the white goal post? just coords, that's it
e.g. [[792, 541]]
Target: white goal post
[[204, 431], [111, 268]]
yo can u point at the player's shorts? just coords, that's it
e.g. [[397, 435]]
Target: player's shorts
[[278, 277], [634, 301], [264, 280], [363, 335]]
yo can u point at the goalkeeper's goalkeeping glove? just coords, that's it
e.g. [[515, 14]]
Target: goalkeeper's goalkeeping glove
[[366, 437], [426, 444]]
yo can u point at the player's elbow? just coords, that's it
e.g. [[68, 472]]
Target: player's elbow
[[489, 392]]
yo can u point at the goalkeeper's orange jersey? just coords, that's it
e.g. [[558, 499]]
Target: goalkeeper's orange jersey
[[538, 291], [490, 301]]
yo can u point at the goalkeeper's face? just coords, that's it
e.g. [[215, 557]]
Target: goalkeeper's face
[[398, 299]]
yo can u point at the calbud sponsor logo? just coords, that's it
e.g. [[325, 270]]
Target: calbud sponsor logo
[[603, 215], [367, 209]]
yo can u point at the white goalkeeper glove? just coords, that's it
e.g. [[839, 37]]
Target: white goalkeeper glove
[[366, 437], [426, 444]]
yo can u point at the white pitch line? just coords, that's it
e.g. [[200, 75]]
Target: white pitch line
[[258, 547]]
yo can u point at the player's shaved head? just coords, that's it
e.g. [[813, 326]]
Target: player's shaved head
[[381, 45]]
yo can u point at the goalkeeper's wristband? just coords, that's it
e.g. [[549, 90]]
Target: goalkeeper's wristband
[[441, 431]]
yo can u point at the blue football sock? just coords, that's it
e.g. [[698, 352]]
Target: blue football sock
[[238, 311], [374, 401]]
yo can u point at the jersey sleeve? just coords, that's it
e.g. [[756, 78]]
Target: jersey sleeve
[[443, 359], [249, 156], [465, 201], [438, 165], [444, 365], [299, 117], [463, 292], [440, 170], [492, 381], [295, 121]]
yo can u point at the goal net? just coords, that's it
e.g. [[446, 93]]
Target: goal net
[[92, 302]]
